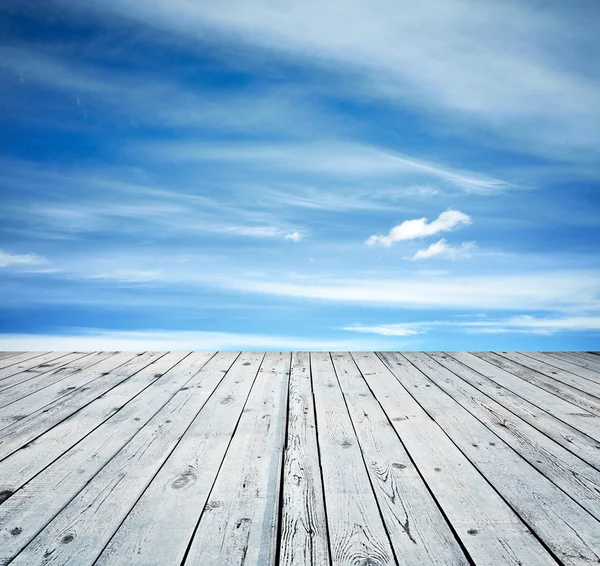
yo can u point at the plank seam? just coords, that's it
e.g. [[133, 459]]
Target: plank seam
[[576, 407], [195, 530], [504, 441], [314, 404], [437, 503], [362, 456], [99, 469], [280, 504], [531, 530]]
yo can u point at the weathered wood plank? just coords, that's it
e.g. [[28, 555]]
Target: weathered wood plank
[[239, 524], [356, 530], [587, 356], [418, 532], [489, 529], [22, 465], [4, 355], [569, 362], [92, 517], [149, 535], [555, 386], [26, 387], [576, 478], [567, 375], [582, 420], [567, 436], [62, 399], [304, 538], [31, 368], [20, 362], [569, 531], [31, 508], [44, 372]]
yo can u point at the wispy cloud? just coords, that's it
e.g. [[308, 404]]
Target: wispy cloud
[[523, 324], [420, 228], [332, 158], [164, 340], [442, 249], [9, 260], [519, 82]]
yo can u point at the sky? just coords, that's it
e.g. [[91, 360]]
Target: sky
[[269, 174]]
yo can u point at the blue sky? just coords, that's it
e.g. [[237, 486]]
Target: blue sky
[[265, 174]]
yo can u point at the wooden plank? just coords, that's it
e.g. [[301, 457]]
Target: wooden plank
[[22, 465], [569, 362], [31, 368], [17, 363], [489, 529], [24, 387], [567, 436], [93, 516], [576, 478], [594, 358], [582, 420], [36, 413], [239, 524], [558, 388], [569, 531], [567, 375], [356, 531], [182, 487], [418, 531], [33, 507], [4, 355], [304, 538]]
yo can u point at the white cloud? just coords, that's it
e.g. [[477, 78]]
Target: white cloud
[[174, 341], [521, 81], [335, 158], [441, 249], [544, 290], [420, 228], [386, 330], [294, 237], [524, 324], [9, 260]]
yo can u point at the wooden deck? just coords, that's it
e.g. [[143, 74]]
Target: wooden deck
[[358, 459]]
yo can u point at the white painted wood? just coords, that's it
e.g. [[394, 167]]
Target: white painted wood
[[490, 530], [22, 465], [558, 388], [20, 362], [32, 415], [32, 367], [40, 373], [4, 355], [356, 530], [34, 506], [560, 371], [239, 524], [571, 363], [587, 356], [25, 387], [579, 418], [567, 436], [567, 529], [150, 535], [576, 478], [304, 538], [418, 532]]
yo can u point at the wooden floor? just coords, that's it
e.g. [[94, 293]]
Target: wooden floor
[[358, 459]]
